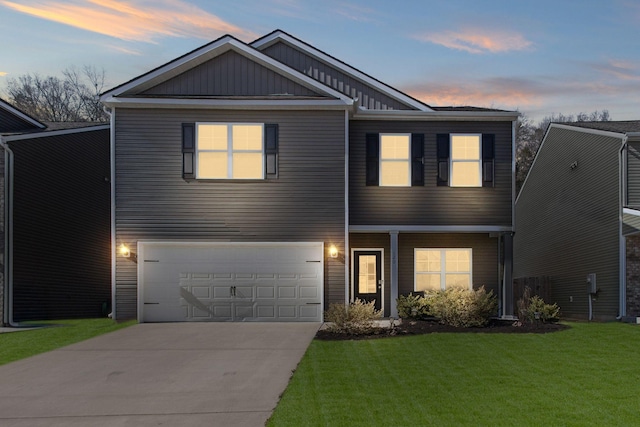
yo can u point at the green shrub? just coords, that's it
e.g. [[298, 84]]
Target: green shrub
[[463, 307], [355, 319], [532, 309], [413, 306]]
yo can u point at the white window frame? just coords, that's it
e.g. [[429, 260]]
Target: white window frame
[[478, 160], [443, 270], [407, 160], [229, 149]]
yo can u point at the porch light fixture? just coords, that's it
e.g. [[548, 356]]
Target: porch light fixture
[[125, 251], [333, 251]]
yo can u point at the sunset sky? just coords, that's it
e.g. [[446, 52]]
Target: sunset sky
[[540, 57]]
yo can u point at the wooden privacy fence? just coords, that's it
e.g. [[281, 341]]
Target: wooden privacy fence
[[539, 286]]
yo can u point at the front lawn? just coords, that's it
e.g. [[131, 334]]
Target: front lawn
[[586, 375], [58, 333]]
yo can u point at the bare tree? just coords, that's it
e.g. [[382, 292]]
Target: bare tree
[[73, 98], [530, 136]]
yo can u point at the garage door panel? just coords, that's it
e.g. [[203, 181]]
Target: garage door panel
[[204, 282]]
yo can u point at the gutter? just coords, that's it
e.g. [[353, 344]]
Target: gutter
[[7, 318], [112, 182]]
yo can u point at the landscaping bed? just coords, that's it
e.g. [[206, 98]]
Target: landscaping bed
[[419, 327]]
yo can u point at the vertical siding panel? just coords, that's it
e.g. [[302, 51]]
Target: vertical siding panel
[[567, 221], [334, 78]]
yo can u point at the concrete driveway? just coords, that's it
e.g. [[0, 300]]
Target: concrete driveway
[[172, 374]]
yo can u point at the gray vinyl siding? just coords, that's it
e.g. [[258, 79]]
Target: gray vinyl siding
[[153, 202], [61, 226], [633, 175], [484, 257], [229, 74], [367, 96], [430, 204], [567, 221]]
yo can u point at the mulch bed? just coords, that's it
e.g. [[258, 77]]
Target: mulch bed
[[420, 327]]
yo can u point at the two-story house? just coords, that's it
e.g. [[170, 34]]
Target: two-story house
[[578, 219], [265, 181], [54, 194]]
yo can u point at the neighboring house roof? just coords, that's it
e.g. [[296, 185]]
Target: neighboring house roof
[[13, 119], [629, 126]]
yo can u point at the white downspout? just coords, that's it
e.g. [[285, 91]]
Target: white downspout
[[622, 251], [347, 251], [112, 166], [8, 235]]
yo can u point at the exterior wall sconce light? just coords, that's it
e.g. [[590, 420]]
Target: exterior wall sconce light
[[333, 251], [125, 251]]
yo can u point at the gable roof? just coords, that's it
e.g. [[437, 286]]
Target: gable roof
[[14, 120], [281, 36], [130, 91]]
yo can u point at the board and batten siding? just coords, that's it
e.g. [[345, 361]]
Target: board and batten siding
[[229, 74], [430, 204], [367, 96], [567, 221], [153, 202]]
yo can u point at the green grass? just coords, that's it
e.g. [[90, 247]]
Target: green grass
[[586, 375], [18, 345]]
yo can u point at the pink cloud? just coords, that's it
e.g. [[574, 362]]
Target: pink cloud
[[478, 40], [133, 21]]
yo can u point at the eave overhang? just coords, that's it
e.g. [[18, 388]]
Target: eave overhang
[[363, 114], [255, 104]]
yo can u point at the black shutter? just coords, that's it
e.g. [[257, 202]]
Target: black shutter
[[488, 156], [373, 158], [188, 150], [271, 150], [442, 141], [417, 159]]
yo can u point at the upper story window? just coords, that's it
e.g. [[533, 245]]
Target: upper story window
[[439, 269], [465, 161], [229, 151], [394, 159], [395, 162]]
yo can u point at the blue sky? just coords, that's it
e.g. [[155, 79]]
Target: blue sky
[[540, 57]]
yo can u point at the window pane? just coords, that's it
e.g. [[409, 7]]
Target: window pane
[[465, 174], [457, 261], [427, 282], [367, 274], [465, 147], [212, 165], [457, 281], [428, 261], [247, 137], [212, 137], [394, 173], [247, 165], [394, 147]]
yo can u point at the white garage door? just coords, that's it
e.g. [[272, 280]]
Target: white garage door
[[198, 281]]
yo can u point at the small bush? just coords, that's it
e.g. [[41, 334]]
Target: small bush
[[532, 309], [463, 307], [357, 318], [413, 306]]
